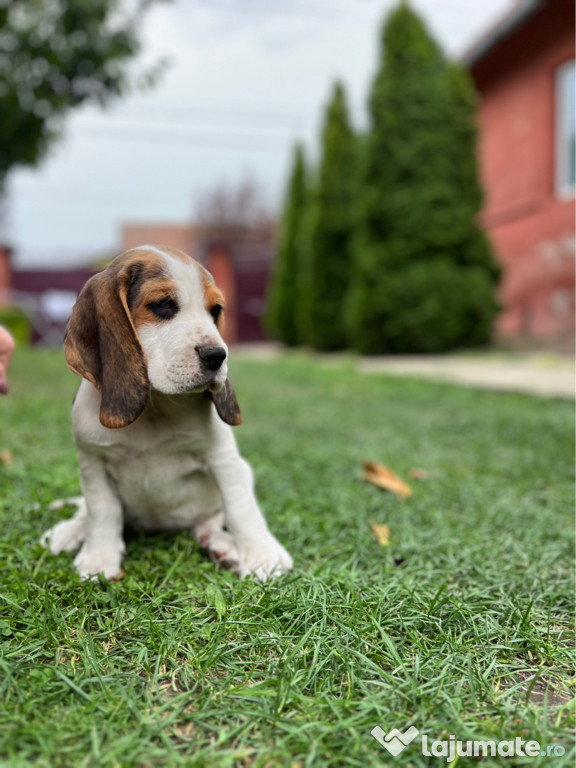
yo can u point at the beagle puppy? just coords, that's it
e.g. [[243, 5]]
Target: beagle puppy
[[152, 420]]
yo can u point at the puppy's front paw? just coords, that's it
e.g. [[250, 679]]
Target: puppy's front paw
[[104, 559], [264, 558]]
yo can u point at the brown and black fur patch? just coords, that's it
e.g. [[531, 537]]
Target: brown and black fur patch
[[154, 290], [213, 296], [102, 344], [227, 405], [140, 273]]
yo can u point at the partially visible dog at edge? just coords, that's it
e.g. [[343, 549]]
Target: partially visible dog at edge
[[152, 420]]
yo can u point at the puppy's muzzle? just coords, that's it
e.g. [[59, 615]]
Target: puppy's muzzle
[[211, 357]]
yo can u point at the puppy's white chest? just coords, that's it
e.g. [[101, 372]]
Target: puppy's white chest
[[161, 491]]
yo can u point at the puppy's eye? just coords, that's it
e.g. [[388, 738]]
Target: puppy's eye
[[165, 309], [215, 311]]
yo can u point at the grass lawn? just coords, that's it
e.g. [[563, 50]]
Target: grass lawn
[[462, 625]]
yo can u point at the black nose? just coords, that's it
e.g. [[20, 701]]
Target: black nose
[[211, 357]]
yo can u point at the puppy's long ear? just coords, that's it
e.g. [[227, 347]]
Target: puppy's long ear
[[227, 405], [102, 346]]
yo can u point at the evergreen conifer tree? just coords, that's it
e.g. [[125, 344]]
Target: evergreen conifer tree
[[423, 276], [326, 254], [285, 279]]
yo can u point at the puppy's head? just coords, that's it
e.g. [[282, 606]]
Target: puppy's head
[[152, 319]]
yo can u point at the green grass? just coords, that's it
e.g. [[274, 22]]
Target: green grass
[[463, 625]]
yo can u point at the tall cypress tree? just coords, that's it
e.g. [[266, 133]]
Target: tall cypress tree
[[285, 279], [424, 277], [327, 243]]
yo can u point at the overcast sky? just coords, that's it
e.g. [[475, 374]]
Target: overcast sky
[[245, 79]]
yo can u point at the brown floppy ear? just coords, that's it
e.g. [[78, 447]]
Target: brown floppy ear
[[227, 405], [101, 345]]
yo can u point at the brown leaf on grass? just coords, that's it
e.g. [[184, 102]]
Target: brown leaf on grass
[[384, 478], [418, 474], [382, 533], [6, 458]]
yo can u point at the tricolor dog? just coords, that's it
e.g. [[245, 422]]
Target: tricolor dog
[[152, 420]]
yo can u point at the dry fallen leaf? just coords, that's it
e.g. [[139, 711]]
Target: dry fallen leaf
[[6, 458], [382, 533], [384, 478], [418, 474]]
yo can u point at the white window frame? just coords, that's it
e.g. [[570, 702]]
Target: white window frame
[[565, 186]]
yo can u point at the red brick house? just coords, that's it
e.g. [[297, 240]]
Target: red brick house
[[524, 70], [181, 236], [5, 275]]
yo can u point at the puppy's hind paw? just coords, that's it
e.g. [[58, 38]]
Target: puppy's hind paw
[[65, 536], [223, 552]]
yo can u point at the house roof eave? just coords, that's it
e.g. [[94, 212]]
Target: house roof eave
[[500, 30]]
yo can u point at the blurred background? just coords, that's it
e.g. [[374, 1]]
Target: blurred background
[[374, 175]]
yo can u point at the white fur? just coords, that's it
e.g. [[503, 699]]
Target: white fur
[[152, 249], [176, 467]]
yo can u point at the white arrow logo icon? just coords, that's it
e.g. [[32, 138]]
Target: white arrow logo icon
[[395, 741]]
